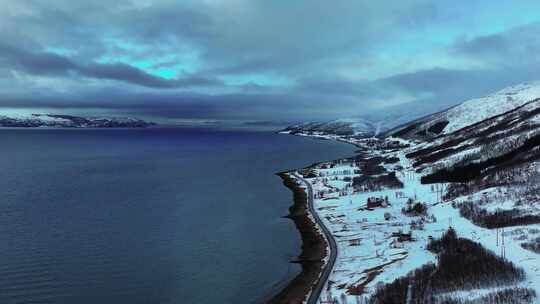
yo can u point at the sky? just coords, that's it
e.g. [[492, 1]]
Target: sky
[[261, 60]]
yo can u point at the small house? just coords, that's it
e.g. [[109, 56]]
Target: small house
[[403, 237], [354, 242], [376, 202]]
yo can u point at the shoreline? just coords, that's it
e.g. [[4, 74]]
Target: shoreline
[[314, 247]]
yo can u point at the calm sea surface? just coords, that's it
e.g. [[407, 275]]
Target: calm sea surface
[[148, 216]]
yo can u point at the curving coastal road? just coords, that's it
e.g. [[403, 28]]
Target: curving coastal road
[[317, 289]]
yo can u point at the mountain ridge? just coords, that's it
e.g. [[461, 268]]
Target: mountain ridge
[[70, 121], [422, 125]]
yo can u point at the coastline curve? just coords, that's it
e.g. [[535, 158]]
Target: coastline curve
[[319, 250], [331, 242]]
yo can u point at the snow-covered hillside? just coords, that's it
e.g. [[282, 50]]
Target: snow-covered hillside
[[476, 110], [69, 121], [472, 111], [345, 127]]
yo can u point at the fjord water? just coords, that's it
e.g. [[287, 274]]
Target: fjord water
[[148, 216]]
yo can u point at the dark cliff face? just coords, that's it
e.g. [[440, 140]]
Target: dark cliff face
[[70, 121]]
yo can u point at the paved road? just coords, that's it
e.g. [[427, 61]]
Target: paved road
[[317, 289]]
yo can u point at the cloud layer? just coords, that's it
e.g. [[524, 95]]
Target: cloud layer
[[261, 60]]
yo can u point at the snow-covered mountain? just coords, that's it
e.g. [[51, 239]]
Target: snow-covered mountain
[[471, 112], [70, 121], [397, 122], [342, 127]]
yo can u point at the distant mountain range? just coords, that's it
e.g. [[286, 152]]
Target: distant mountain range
[[70, 121], [342, 127]]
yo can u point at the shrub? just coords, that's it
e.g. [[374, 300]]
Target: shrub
[[533, 245], [415, 209]]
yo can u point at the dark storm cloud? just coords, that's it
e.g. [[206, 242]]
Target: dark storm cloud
[[40, 63], [179, 105], [52, 64], [127, 73]]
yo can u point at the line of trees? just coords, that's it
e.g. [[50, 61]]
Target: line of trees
[[496, 219], [366, 183], [505, 296], [462, 174]]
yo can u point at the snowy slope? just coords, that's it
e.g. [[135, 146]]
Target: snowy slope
[[471, 112], [476, 110], [345, 127]]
